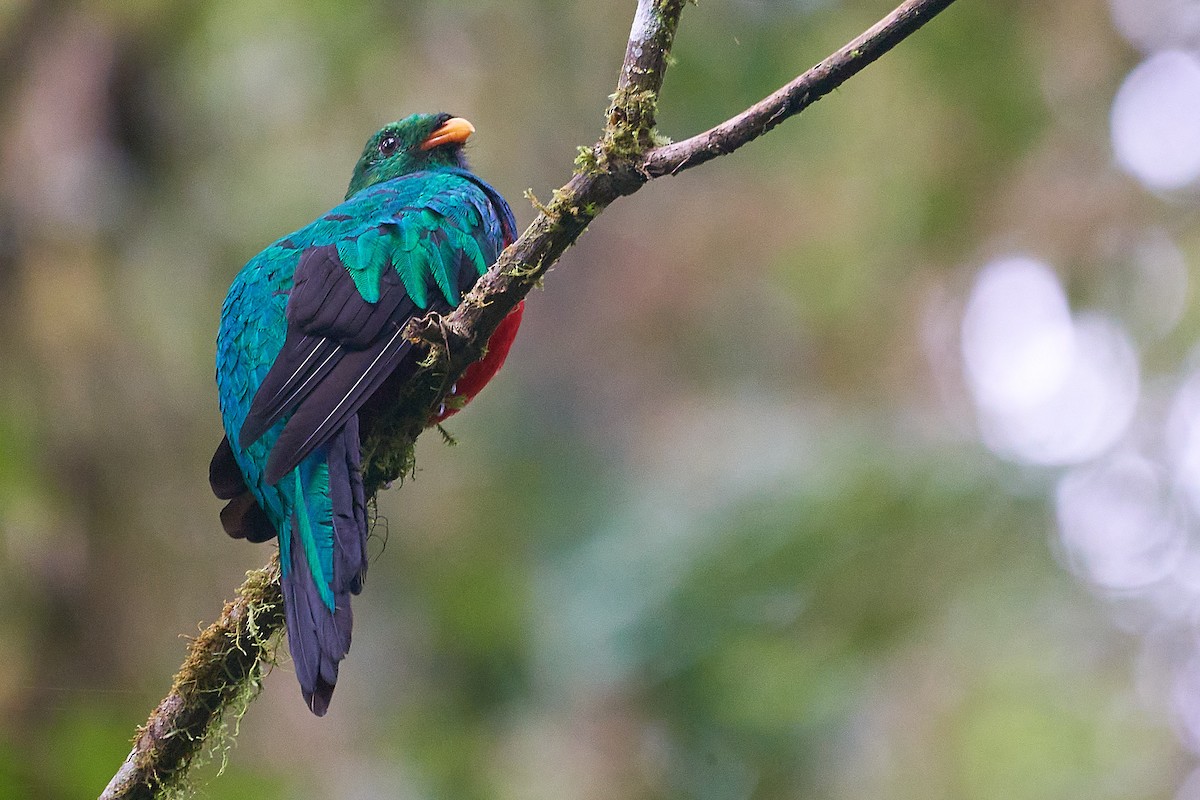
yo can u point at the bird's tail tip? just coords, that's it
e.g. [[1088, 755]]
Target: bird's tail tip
[[318, 697]]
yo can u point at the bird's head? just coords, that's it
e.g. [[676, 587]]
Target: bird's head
[[421, 141]]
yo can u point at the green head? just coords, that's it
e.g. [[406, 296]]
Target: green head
[[422, 141]]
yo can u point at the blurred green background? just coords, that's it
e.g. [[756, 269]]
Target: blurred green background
[[740, 519]]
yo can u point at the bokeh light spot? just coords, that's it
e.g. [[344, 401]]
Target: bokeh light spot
[[1117, 523], [1017, 336], [1049, 389], [1183, 436], [1156, 121]]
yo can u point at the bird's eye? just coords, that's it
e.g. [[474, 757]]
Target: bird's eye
[[388, 145]]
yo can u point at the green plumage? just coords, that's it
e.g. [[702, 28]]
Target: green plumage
[[308, 330]]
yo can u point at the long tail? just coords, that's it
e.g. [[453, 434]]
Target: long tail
[[324, 557]]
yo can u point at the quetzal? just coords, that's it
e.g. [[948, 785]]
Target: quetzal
[[310, 331]]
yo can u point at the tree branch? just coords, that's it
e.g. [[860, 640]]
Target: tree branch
[[224, 664], [626, 158], [222, 671], [635, 103]]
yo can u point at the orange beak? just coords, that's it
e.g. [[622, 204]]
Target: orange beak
[[455, 129]]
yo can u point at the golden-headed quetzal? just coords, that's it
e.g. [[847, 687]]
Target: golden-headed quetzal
[[310, 331]]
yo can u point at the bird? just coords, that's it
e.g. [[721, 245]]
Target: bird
[[311, 337]]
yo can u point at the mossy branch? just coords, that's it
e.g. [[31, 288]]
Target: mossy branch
[[221, 675], [224, 665]]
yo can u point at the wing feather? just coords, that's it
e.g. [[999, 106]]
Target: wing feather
[[426, 239]]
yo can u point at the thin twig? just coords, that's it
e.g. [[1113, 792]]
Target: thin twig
[[224, 663], [797, 95]]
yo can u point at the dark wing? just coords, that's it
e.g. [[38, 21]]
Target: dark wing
[[328, 322], [339, 346]]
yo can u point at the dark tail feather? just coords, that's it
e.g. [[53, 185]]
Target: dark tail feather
[[224, 475], [349, 508], [243, 518], [318, 639]]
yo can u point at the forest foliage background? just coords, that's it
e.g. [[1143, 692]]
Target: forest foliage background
[[861, 463]]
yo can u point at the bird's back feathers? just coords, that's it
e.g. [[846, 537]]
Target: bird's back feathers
[[309, 331]]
